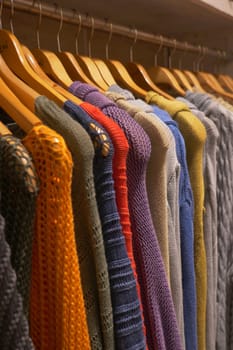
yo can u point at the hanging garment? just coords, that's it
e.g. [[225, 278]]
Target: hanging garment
[[223, 120], [57, 311], [89, 238], [210, 221], [194, 135], [156, 176], [121, 149], [160, 135], [14, 333], [161, 328], [186, 234], [19, 187], [126, 307]]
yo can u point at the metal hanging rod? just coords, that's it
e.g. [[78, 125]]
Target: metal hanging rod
[[49, 11]]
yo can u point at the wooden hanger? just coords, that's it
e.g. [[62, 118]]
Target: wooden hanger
[[225, 82], [16, 110], [164, 78], [124, 79], [35, 66], [140, 75], [194, 81], [4, 130], [182, 79], [13, 55], [88, 65], [101, 65]]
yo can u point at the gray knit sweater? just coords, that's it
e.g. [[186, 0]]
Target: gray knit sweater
[[223, 120]]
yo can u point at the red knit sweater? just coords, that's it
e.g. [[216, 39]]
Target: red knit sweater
[[121, 148]]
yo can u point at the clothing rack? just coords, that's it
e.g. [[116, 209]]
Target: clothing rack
[[70, 16]]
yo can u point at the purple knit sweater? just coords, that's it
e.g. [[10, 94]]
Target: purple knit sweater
[[160, 320]]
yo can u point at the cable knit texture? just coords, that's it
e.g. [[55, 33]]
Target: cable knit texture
[[159, 173], [88, 233], [126, 307], [161, 325], [14, 333], [19, 186], [57, 311], [223, 120], [195, 135], [210, 221], [186, 234]]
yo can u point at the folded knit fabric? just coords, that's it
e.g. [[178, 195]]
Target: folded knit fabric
[[186, 234], [125, 303], [88, 232], [210, 221], [19, 186], [163, 171], [57, 311], [194, 134], [14, 333], [160, 330]]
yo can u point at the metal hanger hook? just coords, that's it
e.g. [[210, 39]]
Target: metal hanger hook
[[195, 65], [184, 52], [78, 33], [38, 22], [201, 57], [91, 35], [59, 30], [132, 46], [171, 54], [158, 51], [108, 42], [12, 16]]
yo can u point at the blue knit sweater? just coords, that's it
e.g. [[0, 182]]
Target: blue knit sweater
[[125, 303], [186, 232]]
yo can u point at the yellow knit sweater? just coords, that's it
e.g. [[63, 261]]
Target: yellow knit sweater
[[57, 311], [194, 135]]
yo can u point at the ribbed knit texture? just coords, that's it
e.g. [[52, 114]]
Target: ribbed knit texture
[[223, 120], [89, 238], [159, 315], [210, 221], [194, 135], [19, 189], [125, 303], [158, 173], [121, 149], [161, 176], [14, 333], [57, 311], [186, 234]]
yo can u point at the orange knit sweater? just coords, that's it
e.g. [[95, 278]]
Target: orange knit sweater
[[57, 311]]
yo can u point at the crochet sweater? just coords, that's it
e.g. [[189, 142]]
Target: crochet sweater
[[160, 320], [88, 233], [57, 311], [194, 135], [223, 119], [125, 303], [162, 170], [210, 221], [186, 234], [19, 189], [14, 332]]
